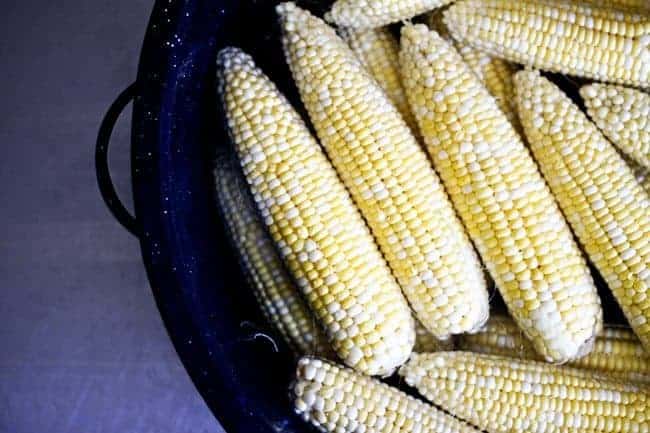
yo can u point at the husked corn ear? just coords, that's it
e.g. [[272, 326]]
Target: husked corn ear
[[504, 395], [389, 177], [335, 399], [617, 352], [276, 293], [378, 50], [607, 208], [577, 39], [367, 14], [425, 341], [313, 221], [623, 115], [502, 199], [496, 74]]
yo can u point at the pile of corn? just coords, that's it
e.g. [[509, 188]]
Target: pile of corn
[[444, 160]]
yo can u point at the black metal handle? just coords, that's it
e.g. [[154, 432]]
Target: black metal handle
[[106, 187]]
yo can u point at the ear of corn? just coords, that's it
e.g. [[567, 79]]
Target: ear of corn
[[378, 50], [278, 297], [389, 177], [577, 39], [496, 74], [313, 221], [623, 115], [504, 395], [501, 197], [607, 208], [336, 399], [617, 352], [366, 14]]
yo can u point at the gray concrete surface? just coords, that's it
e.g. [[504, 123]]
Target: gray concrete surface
[[82, 347]]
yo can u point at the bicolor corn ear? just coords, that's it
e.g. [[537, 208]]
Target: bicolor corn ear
[[390, 179], [623, 114], [365, 14], [336, 399], [617, 352], [502, 199], [530, 396], [614, 45], [597, 191], [315, 225]]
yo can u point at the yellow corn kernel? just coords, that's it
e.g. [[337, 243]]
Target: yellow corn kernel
[[389, 177], [378, 50], [496, 74], [502, 198], [505, 395], [606, 207], [425, 341], [276, 293], [314, 223], [577, 39], [335, 399], [623, 115], [617, 352], [364, 14]]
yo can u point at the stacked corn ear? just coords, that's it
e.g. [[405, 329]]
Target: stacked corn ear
[[335, 399], [502, 198], [617, 352], [319, 232], [606, 207], [275, 291], [378, 50], [389, 177], [367, 14], [505, 395], [496, 74], [623, 115], [571, 38]]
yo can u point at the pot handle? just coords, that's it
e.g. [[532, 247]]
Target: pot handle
[[106, 187]]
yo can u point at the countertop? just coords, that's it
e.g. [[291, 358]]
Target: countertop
[[83, 346]]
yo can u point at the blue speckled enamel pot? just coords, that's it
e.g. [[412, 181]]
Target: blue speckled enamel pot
[[207, 309], [177, 127]]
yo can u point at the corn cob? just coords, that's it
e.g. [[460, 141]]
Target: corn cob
[[504, 395], [617, 352], [624, 117], [335, 399], [607, 208], [388, 176], [496, 74], [276, 293], [312, 219], [367, 14], [425, 341], [378, 50], [502, 199], [582, 40]]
